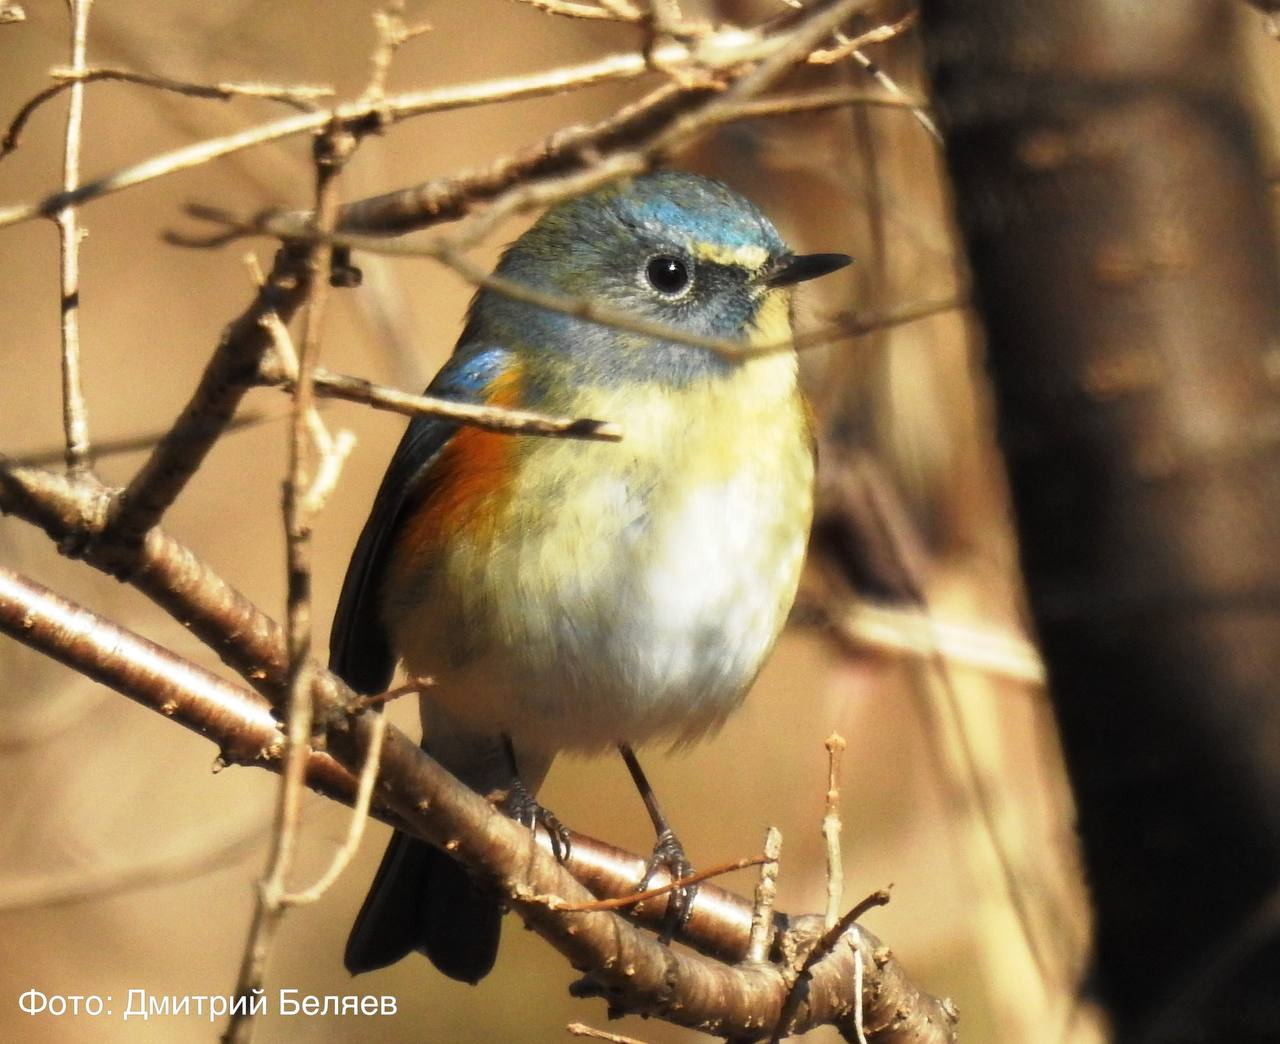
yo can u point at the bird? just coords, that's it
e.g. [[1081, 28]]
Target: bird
[[571, 596]]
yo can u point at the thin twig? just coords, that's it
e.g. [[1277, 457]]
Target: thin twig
[[765, 896], [823, 948], [835, 745], [880, 897], [727, 49], [615, 12], [579, 1029], [132, 443], [587, 309], [355, 830], [332, 151], [331, 450], [891, 85], [908, 631], [490, 418], [393, 33], [622, 902], [847, 45], [378, 699], [859, 1028], [301, 97], [75, 418]]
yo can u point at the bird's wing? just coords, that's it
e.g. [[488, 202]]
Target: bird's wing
[[359, 647]]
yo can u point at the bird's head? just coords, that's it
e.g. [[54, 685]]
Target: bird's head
[[671, 247]]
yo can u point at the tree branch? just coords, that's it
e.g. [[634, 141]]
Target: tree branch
[[75, 420], [726, 49], [230, 373], [687, 989], [237, 719]]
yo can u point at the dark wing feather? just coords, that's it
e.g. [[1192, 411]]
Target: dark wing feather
[[359, 647]]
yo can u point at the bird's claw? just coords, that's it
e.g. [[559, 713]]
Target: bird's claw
[[521, 806], [668, 854]]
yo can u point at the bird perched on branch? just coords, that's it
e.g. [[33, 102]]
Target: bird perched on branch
[[567, 595]]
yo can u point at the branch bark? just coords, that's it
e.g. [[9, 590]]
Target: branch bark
[[631, 969]]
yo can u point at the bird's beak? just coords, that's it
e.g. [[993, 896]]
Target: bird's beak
[[788, 269]]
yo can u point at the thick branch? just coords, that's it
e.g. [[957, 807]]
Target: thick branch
[[231, 372], [237, 719], [432, 804], [247, 640]]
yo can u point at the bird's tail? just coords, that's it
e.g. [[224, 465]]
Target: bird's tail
[[421, 899]]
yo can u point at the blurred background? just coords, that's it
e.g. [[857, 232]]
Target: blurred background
[[127, 863]]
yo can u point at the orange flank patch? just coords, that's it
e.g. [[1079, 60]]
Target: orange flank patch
[[464, 488]]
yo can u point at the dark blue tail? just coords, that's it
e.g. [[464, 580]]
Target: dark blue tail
[[421, 899]]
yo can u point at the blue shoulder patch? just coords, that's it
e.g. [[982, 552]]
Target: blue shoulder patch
[[468, 372]]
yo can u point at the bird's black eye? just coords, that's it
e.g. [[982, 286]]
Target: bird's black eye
[[668, 275]]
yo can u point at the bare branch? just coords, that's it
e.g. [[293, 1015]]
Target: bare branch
[[237, 719], [614, 12], [766, 894], [587, 309], [355, 832], [634, 971], [622, 902], [848, 45], [132, 443], [824, 948], [229, 374], [490, 418], [301, 97], [332, 151], [75, 418], [489, 842], [724, 50], [569, 148], [854, 48], [831, 830], [74, 516], [579, 1029]]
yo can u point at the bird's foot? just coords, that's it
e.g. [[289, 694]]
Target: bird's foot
[[668, 855], [521, 806]]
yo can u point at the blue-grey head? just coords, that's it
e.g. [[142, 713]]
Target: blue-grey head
[[670, 247]]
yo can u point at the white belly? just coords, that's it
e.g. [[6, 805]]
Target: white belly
[[636, 588]]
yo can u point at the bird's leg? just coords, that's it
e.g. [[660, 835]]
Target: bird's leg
[[668, 853], [521, 806]]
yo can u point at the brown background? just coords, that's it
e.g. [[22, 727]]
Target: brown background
[[126, 864]]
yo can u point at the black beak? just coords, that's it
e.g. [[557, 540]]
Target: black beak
[[796, 268]]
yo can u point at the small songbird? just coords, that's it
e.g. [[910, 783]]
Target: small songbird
[[567, 595]]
